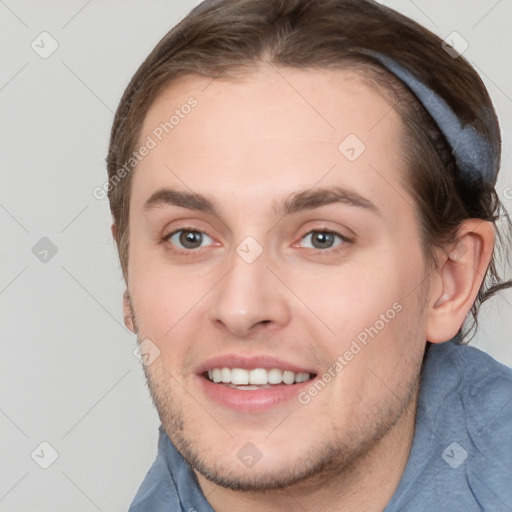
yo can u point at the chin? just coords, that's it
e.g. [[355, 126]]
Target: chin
[[276, 466], [263, 476]]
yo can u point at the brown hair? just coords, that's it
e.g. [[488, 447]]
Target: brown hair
[[225, 38]]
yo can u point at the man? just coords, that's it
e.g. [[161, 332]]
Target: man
[[304, 206]]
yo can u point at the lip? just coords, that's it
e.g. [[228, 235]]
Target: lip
[[251, 401], [250, 363]]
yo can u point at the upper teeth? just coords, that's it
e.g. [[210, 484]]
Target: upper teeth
[[258, 376]]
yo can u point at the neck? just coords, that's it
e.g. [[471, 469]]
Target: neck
[[367, 485]]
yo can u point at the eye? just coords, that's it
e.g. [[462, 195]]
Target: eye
[[189, 239], [323, 239]]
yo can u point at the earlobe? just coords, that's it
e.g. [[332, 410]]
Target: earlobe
[[129, 318], [460, 274]]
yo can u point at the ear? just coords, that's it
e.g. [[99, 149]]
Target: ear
[[129, 317], [460, 274]]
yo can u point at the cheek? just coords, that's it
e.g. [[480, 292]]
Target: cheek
[[374, 303], [162, 294], [352, 297]]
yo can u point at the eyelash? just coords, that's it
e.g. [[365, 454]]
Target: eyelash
[[193, 252], [331, 250], [183, 252]]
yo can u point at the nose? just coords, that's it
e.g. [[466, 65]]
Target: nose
[[249, 298]]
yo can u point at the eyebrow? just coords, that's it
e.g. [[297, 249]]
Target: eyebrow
[[189, 200], [314, 198], [296, 202]]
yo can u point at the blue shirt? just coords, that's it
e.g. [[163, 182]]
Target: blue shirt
[[460, 460]]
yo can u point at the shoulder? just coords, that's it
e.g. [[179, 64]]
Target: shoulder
[[486, 395], [473, 417], [169, 484], [485, 386], [476, 387], [158, 490]]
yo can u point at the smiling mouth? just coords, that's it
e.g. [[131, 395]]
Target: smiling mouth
[[255, 379]]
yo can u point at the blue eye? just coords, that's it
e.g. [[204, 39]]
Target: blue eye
[[323, 239], [189, 239]]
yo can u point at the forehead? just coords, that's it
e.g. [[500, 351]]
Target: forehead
[[271, 132]]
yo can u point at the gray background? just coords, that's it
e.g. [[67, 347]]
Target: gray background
[[68, 373]]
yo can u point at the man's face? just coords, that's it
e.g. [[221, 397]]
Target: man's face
[[284, 247]]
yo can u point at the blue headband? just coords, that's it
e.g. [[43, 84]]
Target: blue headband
[[474, 154]]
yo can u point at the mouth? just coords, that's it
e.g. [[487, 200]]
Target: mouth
[[255, 379], [253, 384]]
